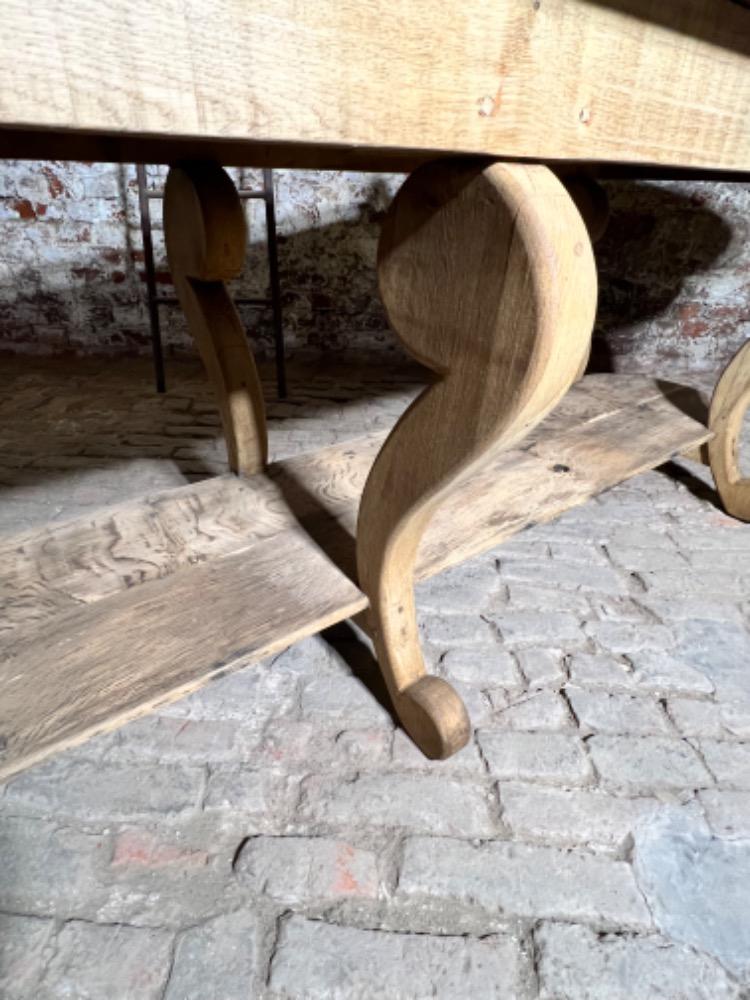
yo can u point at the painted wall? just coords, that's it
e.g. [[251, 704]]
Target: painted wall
[[674, 266]]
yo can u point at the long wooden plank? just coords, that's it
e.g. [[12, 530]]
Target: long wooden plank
[[48, 571], [126, 147], [363, 79], [92, 670], [85, 669]]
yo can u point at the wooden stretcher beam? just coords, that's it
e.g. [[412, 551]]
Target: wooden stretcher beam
[[369, 84], [106, 618]]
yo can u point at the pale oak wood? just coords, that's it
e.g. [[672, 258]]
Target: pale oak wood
[[206, 234], [639, 81], [108, 617], [729, 405], [699, 454], [56, 569], [488, 278]]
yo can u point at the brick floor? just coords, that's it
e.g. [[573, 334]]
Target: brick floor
[[273, 836]]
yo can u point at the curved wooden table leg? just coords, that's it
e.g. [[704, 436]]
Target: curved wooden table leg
[[488, 277], [730, 402], [206, 235]]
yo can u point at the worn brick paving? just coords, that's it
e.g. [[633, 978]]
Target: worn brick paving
[[275, 836]]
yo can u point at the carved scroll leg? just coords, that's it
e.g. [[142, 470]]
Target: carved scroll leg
[[206, 236], [730, 402], [488, 278]]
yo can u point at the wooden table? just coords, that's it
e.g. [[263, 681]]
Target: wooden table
[[505, 112]]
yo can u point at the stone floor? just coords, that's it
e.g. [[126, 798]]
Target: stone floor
[[274, 836]]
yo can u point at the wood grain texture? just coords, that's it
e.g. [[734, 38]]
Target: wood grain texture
[[124, 656], [206, 234], [729, 405], [639, 81], [51, 571], [127, 147], [107, 617], [488, 278]]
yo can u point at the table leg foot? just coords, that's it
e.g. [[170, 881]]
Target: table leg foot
[[488, 278], [206, 235], [729, 405]]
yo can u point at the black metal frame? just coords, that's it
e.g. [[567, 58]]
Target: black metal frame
[[266, 194]]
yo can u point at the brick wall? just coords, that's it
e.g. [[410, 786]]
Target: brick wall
[[674, 266]]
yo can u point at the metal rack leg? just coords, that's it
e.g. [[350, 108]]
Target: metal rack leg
[[273, 270], [148, 260]]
